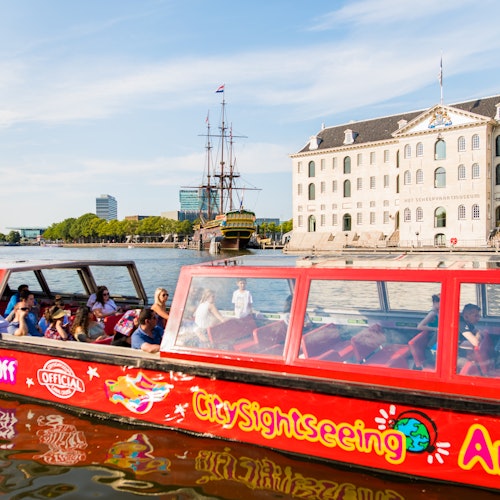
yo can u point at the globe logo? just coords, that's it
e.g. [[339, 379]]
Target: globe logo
[[417, 435]]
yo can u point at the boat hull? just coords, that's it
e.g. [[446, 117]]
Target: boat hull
[[411, 435]]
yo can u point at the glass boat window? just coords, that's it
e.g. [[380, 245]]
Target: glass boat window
[[478, 323], [243, 315], [372, 323]]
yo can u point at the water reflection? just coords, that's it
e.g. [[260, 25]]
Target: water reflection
[[46, 453]]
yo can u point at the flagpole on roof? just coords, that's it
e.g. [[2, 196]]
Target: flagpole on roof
[[441, 77]]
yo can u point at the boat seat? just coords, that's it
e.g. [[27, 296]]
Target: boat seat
[[470, 369], [232, 333], [110, 322], [484, 357], [325, 343], [418, 346], [270, 338], [370, 348]]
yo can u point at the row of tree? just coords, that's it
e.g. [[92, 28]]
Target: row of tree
[[89, 228]]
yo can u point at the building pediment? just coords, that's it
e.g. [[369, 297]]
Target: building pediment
[[440, 117]]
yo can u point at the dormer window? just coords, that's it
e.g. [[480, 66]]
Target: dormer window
[[497, 116], [348, 136], [402, 123], [314, 142]]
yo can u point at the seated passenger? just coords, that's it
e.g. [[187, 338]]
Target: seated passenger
[[24, 324], [471, 314], [430, 323], [14, 299], [92, 298], [148, 335], [104, 305], [242, 300], [206, 315], [160, 306], [57, 330], [44, 322], [85, 329]]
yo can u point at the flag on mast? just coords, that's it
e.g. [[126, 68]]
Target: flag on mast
[[220, 89], [440, 78]]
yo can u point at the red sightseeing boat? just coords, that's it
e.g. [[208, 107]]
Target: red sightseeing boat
[[323, 357]]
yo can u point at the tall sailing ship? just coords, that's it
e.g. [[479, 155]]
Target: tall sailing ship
[[224, 222]]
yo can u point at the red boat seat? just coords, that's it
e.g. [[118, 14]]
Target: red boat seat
[[484, 357], [325, 343], [270, 338], [470, 369], [232, 333], [418, 348], [370, 348], [110, 322]]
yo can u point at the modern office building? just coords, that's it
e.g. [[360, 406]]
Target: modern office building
[[106, 207], [420, 178], [194, 202]]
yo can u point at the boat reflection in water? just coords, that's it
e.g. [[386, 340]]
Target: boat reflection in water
[[46, 453]]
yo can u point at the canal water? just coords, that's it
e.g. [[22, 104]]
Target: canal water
[[48, 453]]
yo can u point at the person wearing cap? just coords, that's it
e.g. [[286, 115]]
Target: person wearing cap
[[57, 329]]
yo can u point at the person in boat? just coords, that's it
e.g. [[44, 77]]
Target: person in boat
[[160, 306], [14, 299], [242, 300], [430, 324], [84, 328], [44, 322], [57, 330], [93, 297], [104, 305], [471, 314], [23, 320], [205, 316], [147, 337]]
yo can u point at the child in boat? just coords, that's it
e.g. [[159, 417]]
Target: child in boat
[[160, 306], [242, 300], [84, 328], [57, 330], [205, 316]]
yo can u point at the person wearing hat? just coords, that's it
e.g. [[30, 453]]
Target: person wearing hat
[[57, 329]]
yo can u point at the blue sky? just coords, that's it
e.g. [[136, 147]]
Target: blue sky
[[111, 96]]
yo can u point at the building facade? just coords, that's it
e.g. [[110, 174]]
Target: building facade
[[106, 207], [423, 178]]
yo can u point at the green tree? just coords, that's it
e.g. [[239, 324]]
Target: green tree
[[14, 237]]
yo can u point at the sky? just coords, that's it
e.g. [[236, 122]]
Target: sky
[[111, 96]]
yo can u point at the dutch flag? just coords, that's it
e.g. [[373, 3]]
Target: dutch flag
[[220, 89]]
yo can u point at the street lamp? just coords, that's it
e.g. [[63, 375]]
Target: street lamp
[[416, 234]]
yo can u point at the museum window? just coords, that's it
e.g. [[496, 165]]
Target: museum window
[[299, 189], [420, 149], [334, 186], [419, 214], [386, 156], [440, 240], [372, 158], [475, 211], [475, 171], [407, 215], [359, 219], [312, 191], [386, 181], [372, 218], [475, 141], [461, 212], [419, 177], [311, 227], [347, 165], [397, 183], [497, 146], [407, 177], [312, 169], [497, 175], [347, 189], [461, 172], [299, 167], [440, 150], [440, 217], [323, 187], [359, 183], [372, 182], [322, 164], [407, 151], [461, 144], [440, 177], [346, 222], [360, 159]]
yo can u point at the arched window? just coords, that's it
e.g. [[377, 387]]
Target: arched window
[[420, 149], [475, 170], [312, 169], [397, 159], [346, 222], [347, 165], [407, 151], [497, 146], [475, 141], [407, 215], [419, 214], [419, 177], [397, 184], [497, 174], [461, 212], [440, 177], [475, 211], [440, 217], [347, 189], [312, 191], [440, 240], [311, 224], [461, 172], [440, 150], [407, 177], [461, 144]]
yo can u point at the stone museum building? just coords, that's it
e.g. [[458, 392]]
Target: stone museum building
[[428, 178]]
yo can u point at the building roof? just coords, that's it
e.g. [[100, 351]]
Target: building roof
[[379, 129]]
